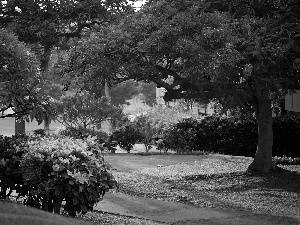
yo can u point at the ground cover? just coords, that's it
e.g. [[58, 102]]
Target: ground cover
[[208, 181]]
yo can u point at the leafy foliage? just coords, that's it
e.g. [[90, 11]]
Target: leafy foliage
[[126, 136], [286, 133], [122, 92], [143, 125], [81, 133], [10, 174], [41, 132], [232, 136], [148, 93], [19, 79], [234, 51], [85, 110], [284, 160], [53, 24], [182, 137], [48, 170]]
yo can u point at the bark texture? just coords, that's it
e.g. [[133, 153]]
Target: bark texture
[[262, 162]]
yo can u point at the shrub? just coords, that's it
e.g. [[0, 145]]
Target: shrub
[[48, 170], [10, 156], [82, 133], [182, 137], [145, 129], [238, 137], [41, 132], [286, 136], [286, 160], [126, 136], [58, 168], [233, 136], [225, 135]]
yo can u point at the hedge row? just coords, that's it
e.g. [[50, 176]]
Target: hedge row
[[233, 136]]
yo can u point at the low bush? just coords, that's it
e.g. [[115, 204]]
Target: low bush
[[82, 133], [10, 156], [41, 132], [126, 136], [232, 136], [286, 136], [47, 171], [182, 136], [284, 160]]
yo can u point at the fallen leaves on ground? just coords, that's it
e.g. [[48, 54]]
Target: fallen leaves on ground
[[111, 219], [218, 183]]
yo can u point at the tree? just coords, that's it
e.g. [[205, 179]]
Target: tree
[[148, 93], [19, 79], [48, 24], [84, 110], [123, 91], [233, 51], [129, 89]]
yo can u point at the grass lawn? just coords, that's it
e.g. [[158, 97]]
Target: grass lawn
[[206, 181]]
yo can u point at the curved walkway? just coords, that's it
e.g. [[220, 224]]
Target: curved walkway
[[174, 212], [180, 213]]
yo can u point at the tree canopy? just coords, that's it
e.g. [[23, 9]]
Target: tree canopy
[[84, 110], [234, 51], [51, 23], [19, 79], [47, 24], [202, 49]]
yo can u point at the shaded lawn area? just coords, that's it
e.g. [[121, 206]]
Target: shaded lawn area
[[211, 181]]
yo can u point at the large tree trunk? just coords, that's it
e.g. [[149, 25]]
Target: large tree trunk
[[262, 162]]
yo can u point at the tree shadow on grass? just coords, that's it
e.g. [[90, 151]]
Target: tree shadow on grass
[[282, 180], [244, 191]]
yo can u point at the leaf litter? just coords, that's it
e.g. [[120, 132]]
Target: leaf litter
[[212, 183]]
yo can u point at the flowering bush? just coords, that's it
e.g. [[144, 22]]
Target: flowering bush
[[59, 168]]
